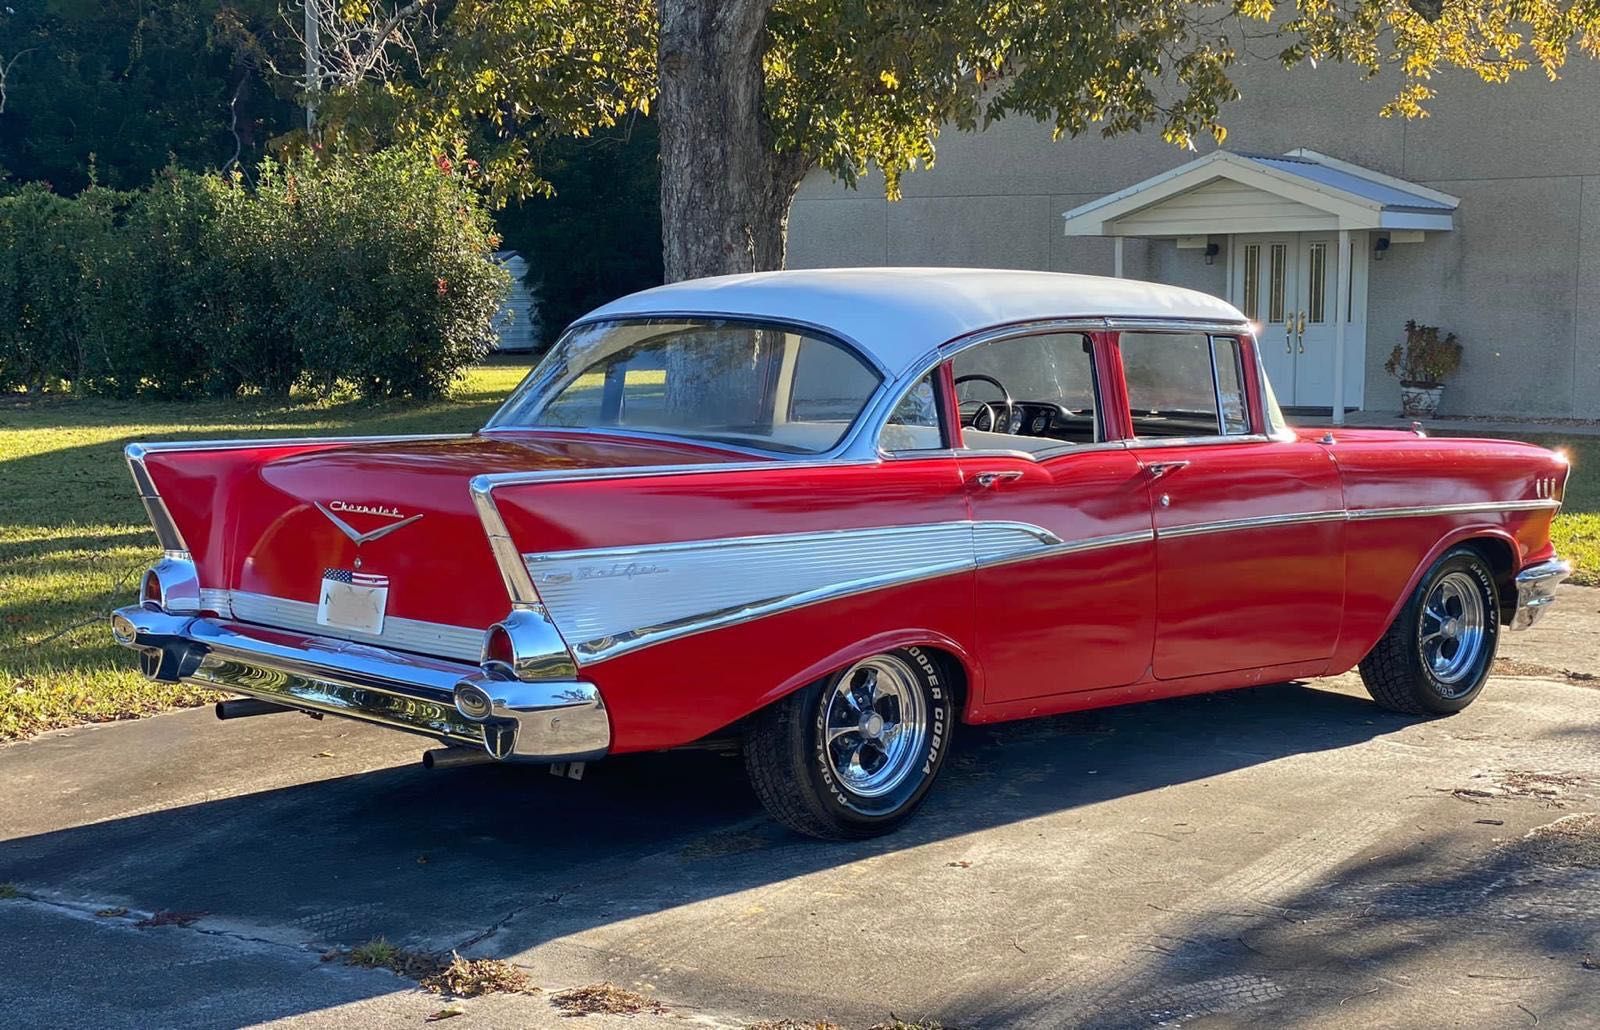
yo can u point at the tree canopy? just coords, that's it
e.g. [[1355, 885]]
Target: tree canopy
[[854, 85], [118, 88]]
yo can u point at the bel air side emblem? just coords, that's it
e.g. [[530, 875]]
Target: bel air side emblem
[[364, 509]]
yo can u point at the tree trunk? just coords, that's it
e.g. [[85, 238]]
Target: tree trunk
[[725, 190]]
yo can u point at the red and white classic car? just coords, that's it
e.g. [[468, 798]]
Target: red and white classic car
[[829, 515]]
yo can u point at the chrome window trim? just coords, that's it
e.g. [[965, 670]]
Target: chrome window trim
[[819, 328], [627, 434], [1066, 450], [1142, 443]]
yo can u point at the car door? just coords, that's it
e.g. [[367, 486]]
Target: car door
[[1077, 614], [1249, 528]]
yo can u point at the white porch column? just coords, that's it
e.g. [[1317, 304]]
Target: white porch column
[[1341, 302], [1116, 260]]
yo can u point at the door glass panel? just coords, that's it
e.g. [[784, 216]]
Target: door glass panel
[[1252, 281], [1230, 386], [1171, 391], [1031, 393], [914, 423], [1316, 276], [1275, 281]]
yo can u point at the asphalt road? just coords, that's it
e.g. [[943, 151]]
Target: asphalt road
[[1287, 855]]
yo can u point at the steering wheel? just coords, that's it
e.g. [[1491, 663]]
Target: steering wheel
[[985, 410]]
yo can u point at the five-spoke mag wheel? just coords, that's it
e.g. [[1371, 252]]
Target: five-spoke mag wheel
[[876, 723], [1435, 657], [853, 754], [1451, 627]]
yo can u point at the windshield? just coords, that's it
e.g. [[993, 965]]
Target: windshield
[[745, 383]]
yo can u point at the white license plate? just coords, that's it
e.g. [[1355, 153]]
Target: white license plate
[[353, 601]]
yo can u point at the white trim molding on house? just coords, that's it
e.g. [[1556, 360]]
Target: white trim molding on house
[[1298, 232]]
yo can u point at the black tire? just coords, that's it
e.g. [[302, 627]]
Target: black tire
[[1398, 672], [786, 751]]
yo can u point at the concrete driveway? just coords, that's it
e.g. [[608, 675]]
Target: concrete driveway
[[1283, 855]]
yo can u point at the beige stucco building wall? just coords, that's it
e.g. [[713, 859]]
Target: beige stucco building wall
[[1516, 279]]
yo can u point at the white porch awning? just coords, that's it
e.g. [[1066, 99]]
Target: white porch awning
[[1302, 191]]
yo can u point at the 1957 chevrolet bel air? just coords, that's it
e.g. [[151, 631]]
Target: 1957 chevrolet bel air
[[829, 515]]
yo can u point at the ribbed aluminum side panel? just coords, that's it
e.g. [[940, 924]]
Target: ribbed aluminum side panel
[[435, 638], [610, 600]]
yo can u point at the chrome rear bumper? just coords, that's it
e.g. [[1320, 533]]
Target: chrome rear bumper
[[542, 721], [1536, 590]]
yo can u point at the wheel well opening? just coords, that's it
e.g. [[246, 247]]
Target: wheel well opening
[[955, 675], [1502, 562]]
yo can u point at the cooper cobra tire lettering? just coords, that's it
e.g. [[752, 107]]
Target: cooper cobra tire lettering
[[792, 772]]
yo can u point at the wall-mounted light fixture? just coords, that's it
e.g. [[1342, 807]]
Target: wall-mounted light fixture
[[1379, 245], [1212, 250]]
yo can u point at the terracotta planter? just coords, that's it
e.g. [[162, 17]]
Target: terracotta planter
[[1420, 400]]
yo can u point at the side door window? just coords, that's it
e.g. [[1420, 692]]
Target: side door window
[[1184, 385], [1032, 393]]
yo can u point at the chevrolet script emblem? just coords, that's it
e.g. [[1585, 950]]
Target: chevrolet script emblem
[[366, 509]]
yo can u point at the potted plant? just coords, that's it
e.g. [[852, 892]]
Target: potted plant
[[1422, 363]]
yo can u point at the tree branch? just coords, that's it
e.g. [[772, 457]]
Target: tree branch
[[5, 73]]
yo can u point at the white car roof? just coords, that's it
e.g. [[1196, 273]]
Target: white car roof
[[898, 315]]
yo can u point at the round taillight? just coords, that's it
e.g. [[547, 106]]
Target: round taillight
[[497, 647]]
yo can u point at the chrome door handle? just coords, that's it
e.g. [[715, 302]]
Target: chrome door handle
[[1288, 333], [1300, 332], [1160, 468], [988, 479]]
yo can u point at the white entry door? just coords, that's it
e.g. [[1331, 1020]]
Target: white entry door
[[1288, 285]]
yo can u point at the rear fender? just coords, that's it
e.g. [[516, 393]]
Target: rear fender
[[891, 640]]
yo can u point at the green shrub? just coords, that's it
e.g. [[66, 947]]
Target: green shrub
[[51, 250], [372, 274]]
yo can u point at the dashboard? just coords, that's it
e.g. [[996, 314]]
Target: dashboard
[[1029, 418]]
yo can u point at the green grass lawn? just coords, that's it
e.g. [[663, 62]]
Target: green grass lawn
[[74, 539]]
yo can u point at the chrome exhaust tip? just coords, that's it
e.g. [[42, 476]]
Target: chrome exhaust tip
[[450, 757]]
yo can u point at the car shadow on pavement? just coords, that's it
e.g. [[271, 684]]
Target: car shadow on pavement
[[498, 859]]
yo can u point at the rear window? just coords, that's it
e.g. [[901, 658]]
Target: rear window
[[755, 385]]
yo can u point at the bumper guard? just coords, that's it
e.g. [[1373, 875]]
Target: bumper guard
[[1536, 590]]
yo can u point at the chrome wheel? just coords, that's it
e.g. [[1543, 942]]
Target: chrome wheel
[[874, 726], [1451, 630]]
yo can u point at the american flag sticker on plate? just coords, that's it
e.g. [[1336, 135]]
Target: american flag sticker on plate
[[353, 600]]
